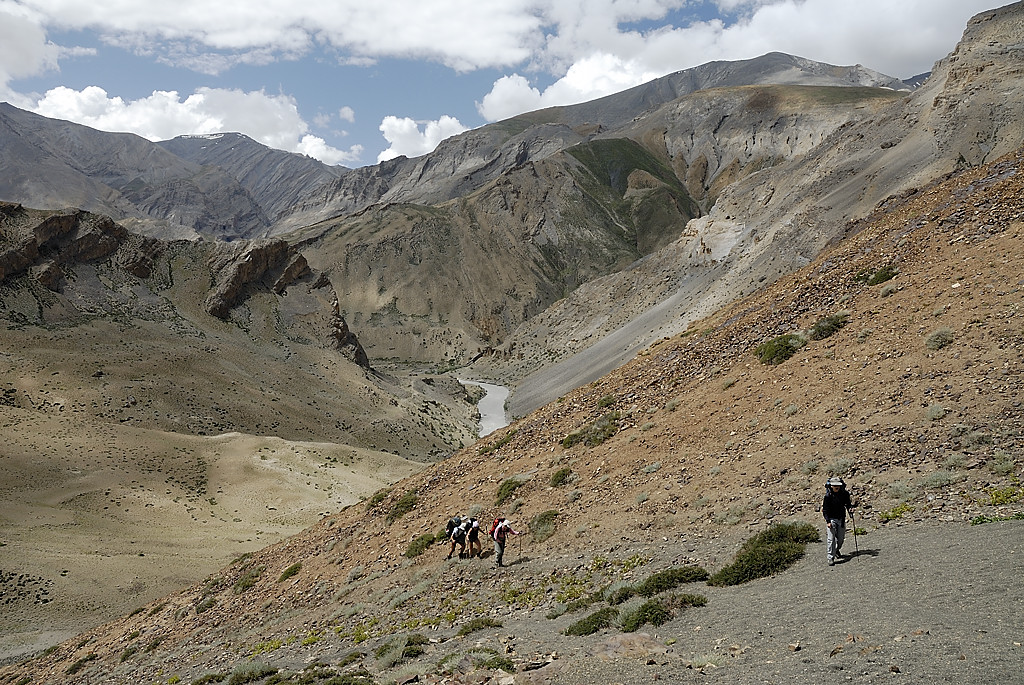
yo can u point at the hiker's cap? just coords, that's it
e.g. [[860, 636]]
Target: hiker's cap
[[835, 480]]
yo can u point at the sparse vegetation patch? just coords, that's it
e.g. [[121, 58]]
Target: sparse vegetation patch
[[600, 619], [769, 552], [779, 349], [594, 434], [828, 326]]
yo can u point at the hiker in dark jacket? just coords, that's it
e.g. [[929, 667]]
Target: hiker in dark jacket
[[473, 536], [833, 508], [457, 534], [501, 533]]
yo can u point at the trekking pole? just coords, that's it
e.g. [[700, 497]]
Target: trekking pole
[[853, 519]]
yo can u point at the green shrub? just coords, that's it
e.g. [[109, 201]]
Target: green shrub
[[496, 662], [620, 594], [506, 439], [896, 512], [886, 273], [507, 489], [978, 520], [652, 611], [939, 338], [828, 325], [290, 571], [210, 678], [78, 665], [419, 545], [378, 497], [561, 476], [600, 619], [248, 578], [403, 506], [779, 349], [670, 579], [1002, 464], [250, 673], [543, 525], [594, 434], [936, 412], [479, 623], [606, 401], [770, 551]]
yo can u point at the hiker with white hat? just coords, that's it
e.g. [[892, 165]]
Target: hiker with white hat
[[833, 507]]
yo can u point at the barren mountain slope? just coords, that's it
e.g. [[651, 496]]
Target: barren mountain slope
[[915, 400], [768, 223], [167, 406], [462, 274]]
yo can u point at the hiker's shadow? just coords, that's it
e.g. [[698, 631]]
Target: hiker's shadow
[[520, 560], [860, 553]]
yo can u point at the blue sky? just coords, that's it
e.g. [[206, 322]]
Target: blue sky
[[354, 82]]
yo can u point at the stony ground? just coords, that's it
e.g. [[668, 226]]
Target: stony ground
[[707, 446]]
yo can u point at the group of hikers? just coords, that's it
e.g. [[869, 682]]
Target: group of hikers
[[465, 530]]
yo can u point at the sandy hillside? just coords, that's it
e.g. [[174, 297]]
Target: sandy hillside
[[98, 519]]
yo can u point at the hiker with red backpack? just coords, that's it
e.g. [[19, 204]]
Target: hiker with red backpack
[[500, 530]]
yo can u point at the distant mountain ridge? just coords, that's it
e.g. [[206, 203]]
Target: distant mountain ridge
[[230, 186]]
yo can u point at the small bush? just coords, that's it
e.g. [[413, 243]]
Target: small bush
[[620, 594], [210, 678], [543, 525], [479, 623], [507, 489], [888, 289], [1002, 464], [248, 578], [840, 467], [901, 491], [670, 579], [896, 512], [250, 673], [506, 439], [403, 506], [561, 477], [606, 401], [78, 665], [419, 545], [828, 326], [939, 338], [940, 479], [378, 497], [496, 662], [778, 350], [770, 551], [652, 611], [886, 273], [936, 412], [596, 433], [290, 571], [600, 619]]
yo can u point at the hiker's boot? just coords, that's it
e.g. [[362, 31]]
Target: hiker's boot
[[831, 561]]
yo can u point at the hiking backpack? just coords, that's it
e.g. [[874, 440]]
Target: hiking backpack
[[494, 526]]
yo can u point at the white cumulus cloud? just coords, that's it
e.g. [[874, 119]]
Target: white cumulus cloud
[[405, 137], [270, 119]]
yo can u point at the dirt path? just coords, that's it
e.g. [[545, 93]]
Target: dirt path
[[929, 603]]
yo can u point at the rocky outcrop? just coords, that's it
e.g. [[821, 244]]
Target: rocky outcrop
[[271, 264], [43, 244]]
